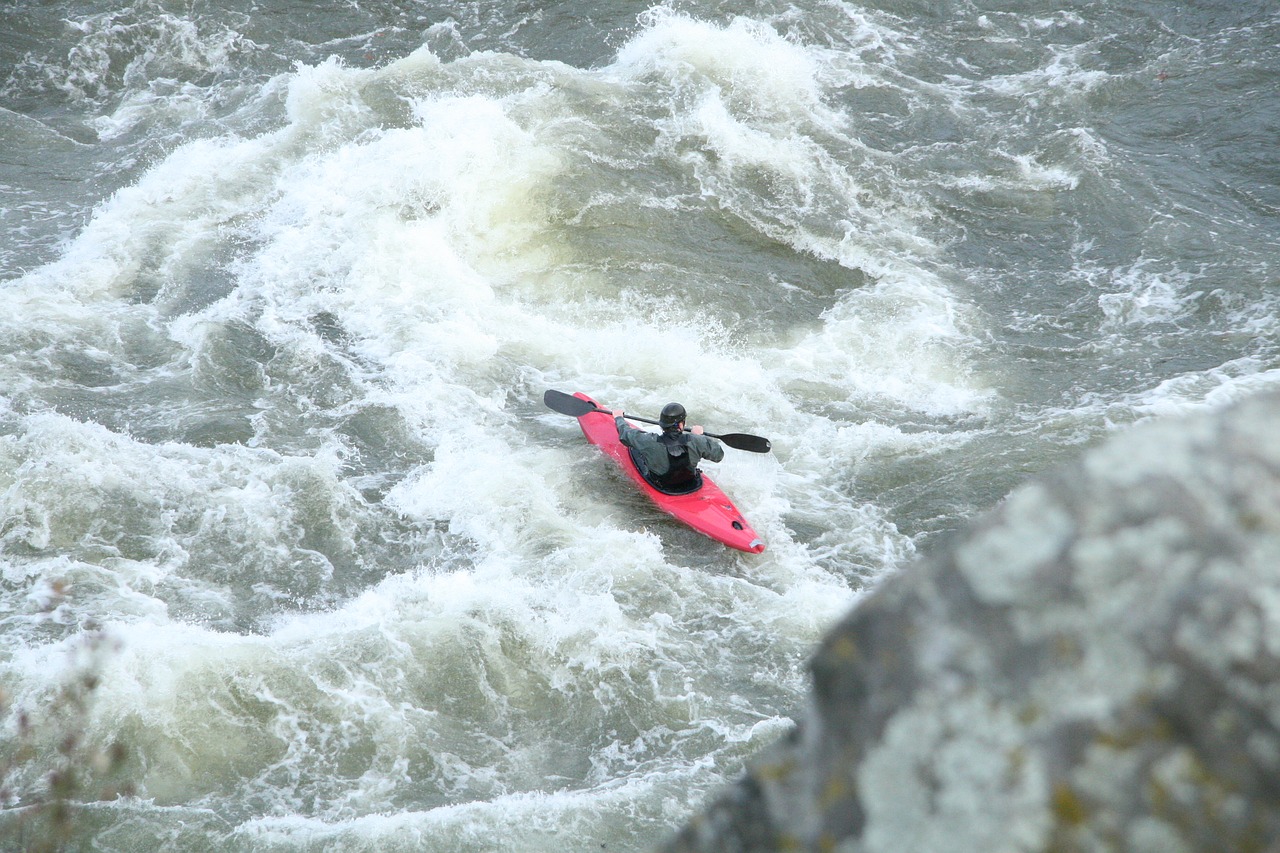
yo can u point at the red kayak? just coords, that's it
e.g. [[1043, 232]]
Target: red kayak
[[707, 510]]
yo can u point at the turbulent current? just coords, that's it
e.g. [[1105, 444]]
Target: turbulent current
[[294, 558]]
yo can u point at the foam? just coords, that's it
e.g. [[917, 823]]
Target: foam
[[761, 72], [1144, 297], [1063, 76], [1206, 390]]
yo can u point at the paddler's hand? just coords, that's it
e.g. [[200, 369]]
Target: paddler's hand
[[617, 413], [696, 429]]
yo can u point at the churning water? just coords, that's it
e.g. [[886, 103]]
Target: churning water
[[281, 512]]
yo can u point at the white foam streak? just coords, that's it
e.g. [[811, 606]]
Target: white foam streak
[[902, 341], [161, 228], [154, 45], [493, 504], [759, 72], [1144, 297], [1061, 77], [182, 527], [1206, 390]]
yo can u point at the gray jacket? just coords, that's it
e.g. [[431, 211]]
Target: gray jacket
[[654, 452]]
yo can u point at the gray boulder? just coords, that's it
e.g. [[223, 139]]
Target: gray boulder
[[1093, 666]]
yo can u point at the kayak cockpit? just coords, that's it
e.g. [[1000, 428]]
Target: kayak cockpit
[[686, 489]]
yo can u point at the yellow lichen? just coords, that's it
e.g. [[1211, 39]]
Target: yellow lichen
[[1067, 807], [774, 772], [845, 648], [835, 790]]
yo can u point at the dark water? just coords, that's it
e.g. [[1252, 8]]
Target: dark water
[[283, 284]]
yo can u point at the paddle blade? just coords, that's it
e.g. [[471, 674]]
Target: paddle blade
[[567, 404], [744, 441]]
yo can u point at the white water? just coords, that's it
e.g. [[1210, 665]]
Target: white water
[[271, 422]]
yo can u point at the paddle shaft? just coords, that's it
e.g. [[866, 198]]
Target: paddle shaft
[[567, 404]]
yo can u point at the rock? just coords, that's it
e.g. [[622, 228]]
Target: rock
[[1094, 666]]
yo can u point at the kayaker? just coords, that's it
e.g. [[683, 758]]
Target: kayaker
[[669, 461]]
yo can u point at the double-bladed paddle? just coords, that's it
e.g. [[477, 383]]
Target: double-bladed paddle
[[567, 404]]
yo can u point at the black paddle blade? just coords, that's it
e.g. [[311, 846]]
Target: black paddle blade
[[567, 404], [744, 441]]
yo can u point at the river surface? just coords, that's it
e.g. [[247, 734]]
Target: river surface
[[289, 543]]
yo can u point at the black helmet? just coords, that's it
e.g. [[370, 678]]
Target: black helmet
[[672, 416]]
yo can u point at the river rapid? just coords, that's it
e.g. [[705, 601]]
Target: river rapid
[[289, 542]]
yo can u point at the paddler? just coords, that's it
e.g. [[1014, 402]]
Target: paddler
[[669, 461]]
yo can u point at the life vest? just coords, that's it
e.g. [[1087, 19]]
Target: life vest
[[681, 474], [681, 477]]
